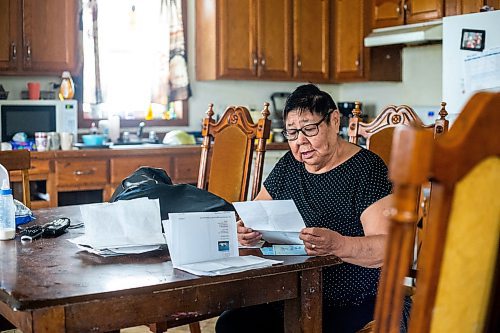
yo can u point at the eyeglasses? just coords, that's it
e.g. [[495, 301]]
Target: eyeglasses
[[308, 130]]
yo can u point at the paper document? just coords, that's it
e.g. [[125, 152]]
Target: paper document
[[122, 227], [284, 250], [206, 244], [279, 221]]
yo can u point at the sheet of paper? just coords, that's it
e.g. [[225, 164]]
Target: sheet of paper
[[482, 70], [124, 224], [206, 244], [228, 265], [279, 221], [197, 237]]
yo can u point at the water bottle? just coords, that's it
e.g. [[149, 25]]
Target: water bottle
[[7, 212]]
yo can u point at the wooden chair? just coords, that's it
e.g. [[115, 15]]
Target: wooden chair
[[459, 272], [232, 141], [378, 133], [226, 171], [19, 160]]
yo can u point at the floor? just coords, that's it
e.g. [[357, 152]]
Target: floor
[[207, 326]]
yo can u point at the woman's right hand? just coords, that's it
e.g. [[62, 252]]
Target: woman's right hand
[[247, 236]]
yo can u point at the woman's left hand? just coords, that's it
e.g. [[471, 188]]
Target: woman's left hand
[[321, 241]]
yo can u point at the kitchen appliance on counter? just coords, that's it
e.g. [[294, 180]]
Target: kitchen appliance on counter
[[345, 109], [37, 116], [278, 99]]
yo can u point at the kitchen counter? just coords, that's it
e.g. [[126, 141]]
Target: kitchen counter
[[102, 170]]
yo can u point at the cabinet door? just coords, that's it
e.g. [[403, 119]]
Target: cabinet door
[[311, 39], [49, 35], [423, 10], [350, 29], [9, 37], [274, 43], [387, 13], [237, 39], [457, 7]]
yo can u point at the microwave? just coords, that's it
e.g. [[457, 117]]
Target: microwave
[[30, 116]]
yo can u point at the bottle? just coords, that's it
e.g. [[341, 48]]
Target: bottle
[[93, 129], [67, 88], [7, 212]]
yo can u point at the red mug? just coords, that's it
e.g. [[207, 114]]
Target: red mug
[[34, 90]]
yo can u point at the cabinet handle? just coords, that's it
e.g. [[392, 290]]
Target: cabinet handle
[[263, 62], [83, 172], [406, 7], [28, 52], [255, 62], [299, 63], [13, 51]]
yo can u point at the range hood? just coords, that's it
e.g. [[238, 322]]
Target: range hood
[[419, 33]]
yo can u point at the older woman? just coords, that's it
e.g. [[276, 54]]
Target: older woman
[[341, 191]]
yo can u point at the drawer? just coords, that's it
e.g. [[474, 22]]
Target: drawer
[[77, 173], [39, 166], [123, 167], [186, 168]]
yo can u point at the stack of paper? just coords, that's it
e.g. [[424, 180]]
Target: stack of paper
[[279, 221], [123, 227], [206, 244]]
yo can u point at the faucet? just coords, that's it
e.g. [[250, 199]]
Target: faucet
[[140, 129]]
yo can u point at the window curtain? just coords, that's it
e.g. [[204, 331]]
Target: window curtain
[[93, 94], [170, 78], [171, 82]]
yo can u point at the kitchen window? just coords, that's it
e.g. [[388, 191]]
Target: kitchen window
[[135, 61]]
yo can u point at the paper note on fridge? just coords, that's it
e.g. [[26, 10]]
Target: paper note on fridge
[[279, 221]]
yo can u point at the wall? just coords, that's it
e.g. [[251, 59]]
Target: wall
[[421, 84]]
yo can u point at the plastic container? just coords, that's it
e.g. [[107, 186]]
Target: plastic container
[[7, 212], [67, 88], [94, 139]]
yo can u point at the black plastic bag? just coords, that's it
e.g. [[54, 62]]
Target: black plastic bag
[[182, 198]]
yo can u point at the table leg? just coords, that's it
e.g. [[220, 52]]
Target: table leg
[[308, 307], [49, 320]]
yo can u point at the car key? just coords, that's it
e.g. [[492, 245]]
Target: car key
[[31, 233], [56, 227]]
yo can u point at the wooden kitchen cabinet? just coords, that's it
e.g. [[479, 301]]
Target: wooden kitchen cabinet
[[243, 39], [262, 39], [458, 7], [352, 61], [387, 13], [423, 10], [311, 40], [38, 37]]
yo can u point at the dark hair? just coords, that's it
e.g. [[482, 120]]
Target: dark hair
[[309, 97]]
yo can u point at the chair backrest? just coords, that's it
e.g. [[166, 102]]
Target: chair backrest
[[459, 273], [378, 133], [19, 160], [231, 142]]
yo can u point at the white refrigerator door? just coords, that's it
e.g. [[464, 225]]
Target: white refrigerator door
[[456, 90]]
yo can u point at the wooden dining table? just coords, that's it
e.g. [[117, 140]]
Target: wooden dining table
[[51, 286]]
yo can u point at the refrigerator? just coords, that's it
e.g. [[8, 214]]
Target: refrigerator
[[471, 57]]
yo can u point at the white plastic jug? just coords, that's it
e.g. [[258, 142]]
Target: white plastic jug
[[4, 174]]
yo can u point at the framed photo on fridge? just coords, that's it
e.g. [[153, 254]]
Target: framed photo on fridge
[[473, 40]]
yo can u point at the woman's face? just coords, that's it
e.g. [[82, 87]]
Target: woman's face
[[317, 151]]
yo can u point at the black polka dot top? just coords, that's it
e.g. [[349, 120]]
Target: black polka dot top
[[335, 200]]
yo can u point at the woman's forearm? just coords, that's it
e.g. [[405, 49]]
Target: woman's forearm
[[367, 251]]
